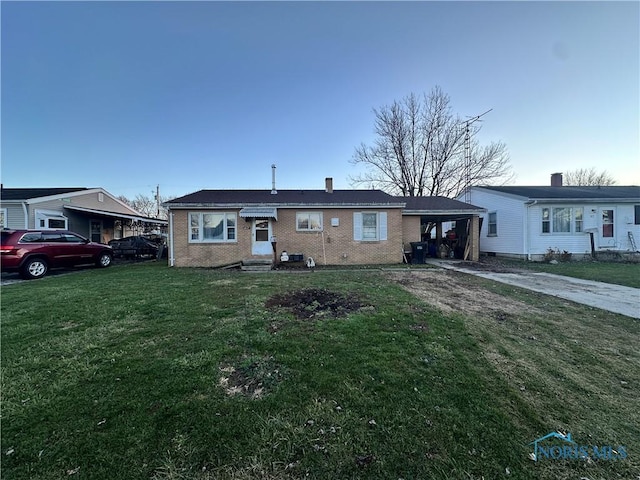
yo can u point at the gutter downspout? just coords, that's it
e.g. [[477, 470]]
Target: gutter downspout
[[26, 215], [172, 260], [527, 239]]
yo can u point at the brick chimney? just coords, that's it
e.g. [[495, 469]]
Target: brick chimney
[[328, 185], [556, 179]]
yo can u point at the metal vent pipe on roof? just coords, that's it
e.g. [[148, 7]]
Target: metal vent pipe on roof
[[273, 179]]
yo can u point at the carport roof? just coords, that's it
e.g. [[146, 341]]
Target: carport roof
[[105, 213], [438, 206]]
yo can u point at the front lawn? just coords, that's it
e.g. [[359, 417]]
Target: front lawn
[[142, 371], [619, 273]]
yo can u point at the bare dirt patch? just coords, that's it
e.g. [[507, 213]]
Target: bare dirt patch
[[452, 292], [489, 264], [315, 302]]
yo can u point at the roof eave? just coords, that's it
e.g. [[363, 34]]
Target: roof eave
[[187, 205], [59, 196], [468, 211], [585, 200]]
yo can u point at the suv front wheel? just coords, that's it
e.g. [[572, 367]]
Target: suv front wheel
[[34, 268], [104, 260]]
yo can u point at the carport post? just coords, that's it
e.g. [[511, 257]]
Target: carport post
[[438, 233], [474, 234]]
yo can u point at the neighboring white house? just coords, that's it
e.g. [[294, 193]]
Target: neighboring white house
[[526, 222], [92, 212]]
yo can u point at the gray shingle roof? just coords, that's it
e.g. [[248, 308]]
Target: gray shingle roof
[[287, 197], [28, 193], [630, 192]]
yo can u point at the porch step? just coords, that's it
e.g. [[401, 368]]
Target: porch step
[[256, 265]]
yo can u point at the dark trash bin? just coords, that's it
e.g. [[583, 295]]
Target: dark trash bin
[[418, 252]]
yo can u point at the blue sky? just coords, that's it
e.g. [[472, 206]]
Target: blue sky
[[191, 95]]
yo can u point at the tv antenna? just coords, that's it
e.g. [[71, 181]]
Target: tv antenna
[[467, 154]]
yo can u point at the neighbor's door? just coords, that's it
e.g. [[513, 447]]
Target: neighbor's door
[[96, 231], [607, 227], [261, 237]]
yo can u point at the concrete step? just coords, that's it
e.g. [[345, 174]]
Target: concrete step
[[256, 265]]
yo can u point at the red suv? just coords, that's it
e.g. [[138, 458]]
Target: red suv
[[33, 252]]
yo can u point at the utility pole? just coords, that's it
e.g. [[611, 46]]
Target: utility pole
[[157, 201], [467, 155]]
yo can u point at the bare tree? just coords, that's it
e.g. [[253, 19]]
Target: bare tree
[[147, 206], [588, 177], [420, 150]]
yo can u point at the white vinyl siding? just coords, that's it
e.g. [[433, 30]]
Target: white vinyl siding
[[369, 226], [510, 219]]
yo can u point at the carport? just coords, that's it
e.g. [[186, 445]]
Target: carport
[[424, 219], [122, 224]]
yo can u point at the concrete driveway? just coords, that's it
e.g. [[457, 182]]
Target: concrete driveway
[[606, 296]]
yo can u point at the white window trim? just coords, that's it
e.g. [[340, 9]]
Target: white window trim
[[381, 227], [572, 221], [47, 215], [200, 238], [310, 229], [3, 223], [489, 234]]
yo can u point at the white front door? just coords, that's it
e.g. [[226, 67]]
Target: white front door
[[261, 237], [607, 227]]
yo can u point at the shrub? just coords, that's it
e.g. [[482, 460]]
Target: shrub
[[556, 255]]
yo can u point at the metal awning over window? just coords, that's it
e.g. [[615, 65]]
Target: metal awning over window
[[259, 212]]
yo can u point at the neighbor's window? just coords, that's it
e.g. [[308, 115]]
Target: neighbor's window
[[306, 221], [212, 227], [493, 224], [546, 220], [577, 219], [637, 214], [562, 220], [3, 218], [51, 220], [369, 226]]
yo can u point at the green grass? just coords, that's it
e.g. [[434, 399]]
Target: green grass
[[619, 273], [122, 373]]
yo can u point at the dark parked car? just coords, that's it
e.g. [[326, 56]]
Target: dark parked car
[[134, 247], [33, 252]]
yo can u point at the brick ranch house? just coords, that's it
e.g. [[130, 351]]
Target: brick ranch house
[[216, 228]]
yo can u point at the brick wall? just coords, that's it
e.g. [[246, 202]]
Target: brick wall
[[334, 246], [411, 230], [336, 243], [208, 254]]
